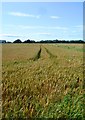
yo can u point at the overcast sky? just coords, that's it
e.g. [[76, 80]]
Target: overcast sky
[[42, 21]]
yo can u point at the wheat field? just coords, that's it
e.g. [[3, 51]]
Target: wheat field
[[42, 81]]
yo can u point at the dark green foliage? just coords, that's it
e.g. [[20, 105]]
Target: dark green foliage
[[17, 41]]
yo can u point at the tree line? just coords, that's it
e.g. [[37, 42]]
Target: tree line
[[44, 41]]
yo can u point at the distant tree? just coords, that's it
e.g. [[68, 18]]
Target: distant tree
[[17, 41], [2, 41], [81, 41], [8, 42], [32, 41], [27, 41]]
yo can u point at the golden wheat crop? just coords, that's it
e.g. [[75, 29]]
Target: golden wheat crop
[[42, 80]]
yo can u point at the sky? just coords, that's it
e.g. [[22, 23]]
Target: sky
[[42, 21]]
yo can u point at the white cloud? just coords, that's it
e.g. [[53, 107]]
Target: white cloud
[[42, 27], [45, 33], [74, 31], [9, 35], [19, 14], [54, 17], [31, 27], [79, 26], [59, 28]]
